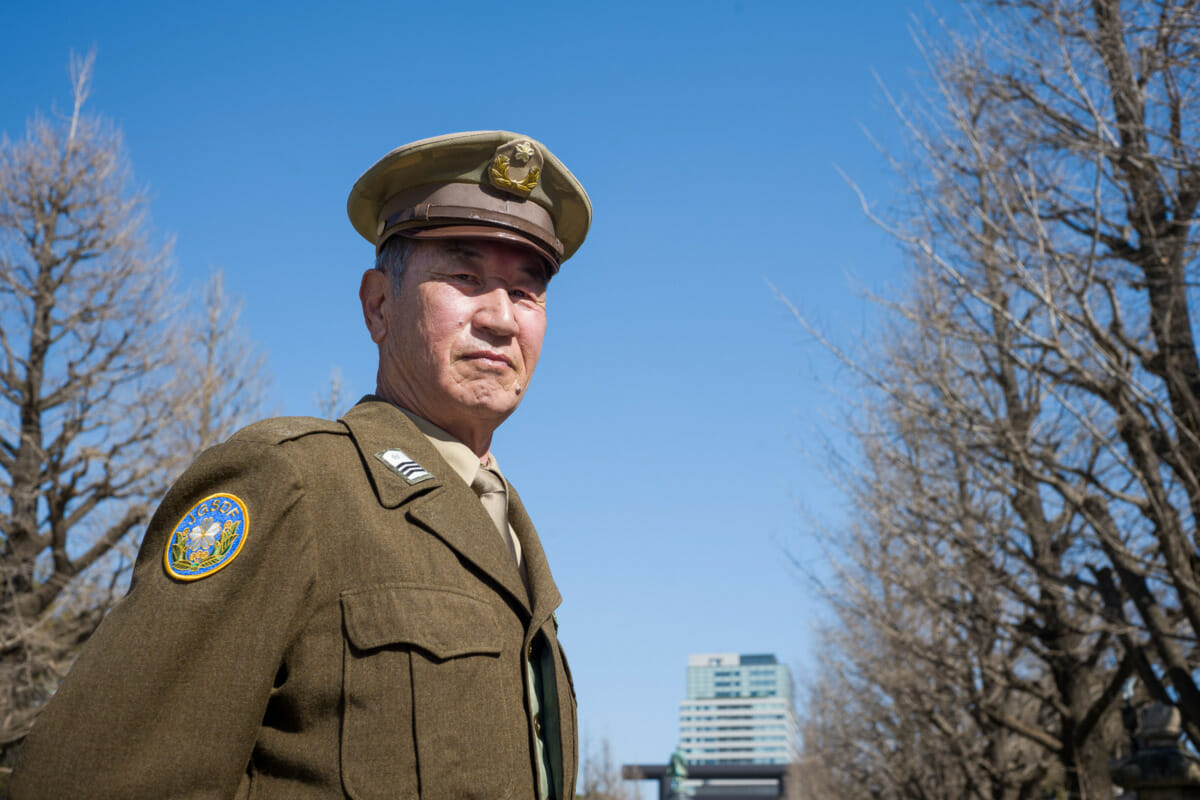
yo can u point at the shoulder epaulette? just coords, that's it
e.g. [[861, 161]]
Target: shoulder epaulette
[[282, 429]]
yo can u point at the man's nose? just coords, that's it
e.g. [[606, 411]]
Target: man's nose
[[497, 312]]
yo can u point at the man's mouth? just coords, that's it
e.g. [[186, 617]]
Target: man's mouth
[[488, 357]]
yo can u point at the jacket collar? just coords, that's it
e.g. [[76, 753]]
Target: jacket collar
[[545, 592], [444, 504], [378, 427]]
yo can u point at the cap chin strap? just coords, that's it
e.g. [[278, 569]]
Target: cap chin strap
[[475, 209]]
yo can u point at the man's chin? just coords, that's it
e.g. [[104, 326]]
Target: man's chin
[[492, 403]]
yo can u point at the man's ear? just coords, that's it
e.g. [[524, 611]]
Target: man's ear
[[373, 291]]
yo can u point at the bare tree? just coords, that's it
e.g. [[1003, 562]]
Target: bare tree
[[1042, 398], [219, 379], [930, 688], [601, 777], [334, 400], [97, 395]]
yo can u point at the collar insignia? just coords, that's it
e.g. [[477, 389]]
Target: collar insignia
[[399, 462], [208, 538]]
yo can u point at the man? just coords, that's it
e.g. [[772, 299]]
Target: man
[[358, 608]]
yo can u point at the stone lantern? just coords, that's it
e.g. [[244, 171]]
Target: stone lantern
[[1158, 768]]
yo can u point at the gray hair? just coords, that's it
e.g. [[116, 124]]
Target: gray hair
[[393, 258]]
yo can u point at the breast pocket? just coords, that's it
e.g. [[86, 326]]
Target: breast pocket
[[428, 709]]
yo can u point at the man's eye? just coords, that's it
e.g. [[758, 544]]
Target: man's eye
[[523, 296]]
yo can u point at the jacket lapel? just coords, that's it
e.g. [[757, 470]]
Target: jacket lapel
[[441, 503], [544, 591]]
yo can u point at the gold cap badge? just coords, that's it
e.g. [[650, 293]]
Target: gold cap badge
[[516, 167]]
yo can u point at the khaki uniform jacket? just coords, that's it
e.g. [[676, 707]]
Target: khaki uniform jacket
[[370, 639]]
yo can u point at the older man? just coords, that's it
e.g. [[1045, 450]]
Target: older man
[[358, 608]]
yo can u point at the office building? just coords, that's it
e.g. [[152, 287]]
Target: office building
[[739, 710]]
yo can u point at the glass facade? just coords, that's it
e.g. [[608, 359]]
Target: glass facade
[[711, 676], [738, 710]]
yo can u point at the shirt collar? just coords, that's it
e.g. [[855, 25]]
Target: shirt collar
[[461, 458]]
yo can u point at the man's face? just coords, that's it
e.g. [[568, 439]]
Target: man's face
[[459, 343]]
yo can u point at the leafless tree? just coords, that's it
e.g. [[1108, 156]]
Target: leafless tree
[[1042, 398], [219, 379], [334, 400], [101, 375], [601, 776], [928, 679]]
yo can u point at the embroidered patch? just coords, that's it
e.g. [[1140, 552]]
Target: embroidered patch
[[399, 463], [208, 537]]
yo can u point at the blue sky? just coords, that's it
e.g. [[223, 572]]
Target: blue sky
[[675, 429]]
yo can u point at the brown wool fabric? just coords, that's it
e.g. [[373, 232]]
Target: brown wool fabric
[[372, 639]]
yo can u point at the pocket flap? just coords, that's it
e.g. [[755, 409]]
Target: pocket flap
[[443, 622]]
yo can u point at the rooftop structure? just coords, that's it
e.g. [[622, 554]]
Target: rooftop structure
[[739, 710]]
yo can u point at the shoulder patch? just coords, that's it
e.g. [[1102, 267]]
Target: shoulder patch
[[399, 463], [209, 536]]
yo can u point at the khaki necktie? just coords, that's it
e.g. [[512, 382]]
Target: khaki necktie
[[540, 673], [490, 488]]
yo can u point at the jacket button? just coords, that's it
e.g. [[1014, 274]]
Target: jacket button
[[537, 725]]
